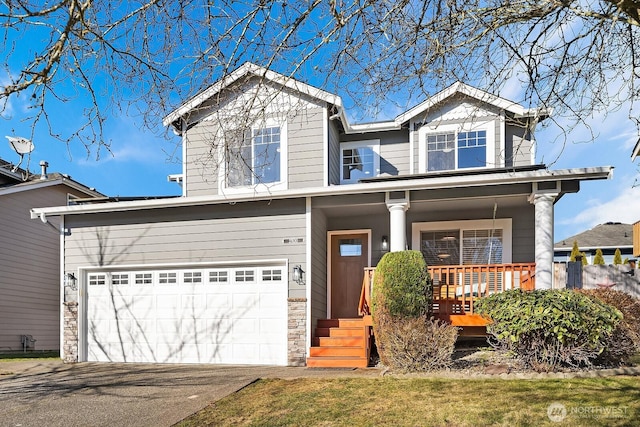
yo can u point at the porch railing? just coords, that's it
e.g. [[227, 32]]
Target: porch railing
[[456, 287]]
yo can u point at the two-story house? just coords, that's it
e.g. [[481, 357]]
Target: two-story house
[[284, 205]]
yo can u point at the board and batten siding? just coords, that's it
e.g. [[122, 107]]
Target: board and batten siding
[[318, 266], [305, 146], [244, 232], [30, 269]]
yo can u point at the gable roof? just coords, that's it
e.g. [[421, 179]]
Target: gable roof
[[636, 151], [459, 87], [607, 235], [23, 180], [247, 69]]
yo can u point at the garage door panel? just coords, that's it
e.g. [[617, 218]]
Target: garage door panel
[[222, 318]]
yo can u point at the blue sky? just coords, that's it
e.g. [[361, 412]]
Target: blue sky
[[140, 161]]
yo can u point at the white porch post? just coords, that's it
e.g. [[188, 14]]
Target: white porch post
[[397, 228], [544, 238]]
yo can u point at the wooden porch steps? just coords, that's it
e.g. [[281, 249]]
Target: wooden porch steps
[[341, 343]]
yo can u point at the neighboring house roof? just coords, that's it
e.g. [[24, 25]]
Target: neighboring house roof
[[23, 180], [491, 177], [608, 235]]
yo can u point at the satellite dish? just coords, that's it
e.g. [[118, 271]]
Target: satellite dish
[[21, 146]]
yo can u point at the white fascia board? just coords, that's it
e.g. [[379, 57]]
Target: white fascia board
[[582, 174], [372, 127], [245, 69], [460, 87], [35, 185], [636, 151]]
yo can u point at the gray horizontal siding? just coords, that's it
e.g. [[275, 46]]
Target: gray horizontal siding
[[201, 166], [221, 233], [305, 145], [394, 150], [518, 146], [30, 269]]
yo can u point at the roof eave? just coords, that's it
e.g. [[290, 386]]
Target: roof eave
[[583, 174]]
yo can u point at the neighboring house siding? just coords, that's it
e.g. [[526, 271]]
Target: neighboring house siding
[[318, 266], [30, 270], [394, 150], [334, 153], [248, 232], [306, 148]]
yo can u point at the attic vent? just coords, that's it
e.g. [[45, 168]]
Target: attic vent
[[293, 240]]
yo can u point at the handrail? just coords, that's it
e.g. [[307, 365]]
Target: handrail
[[364, 305], [456, 287]]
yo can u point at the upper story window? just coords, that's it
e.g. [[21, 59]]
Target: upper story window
[[359, 160], [451, 147], [260, 159]]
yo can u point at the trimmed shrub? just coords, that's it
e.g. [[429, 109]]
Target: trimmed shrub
[[625, 340], [402, 295], [584, 259], [549, 329], [617, 257], [402, 285], [598, 259], [415, 344], [575, 251]]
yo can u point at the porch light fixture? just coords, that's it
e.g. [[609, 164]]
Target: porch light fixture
[[385, 243], [298, 275], [70, 281]]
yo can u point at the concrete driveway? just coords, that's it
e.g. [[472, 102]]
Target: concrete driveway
[[50, 393]]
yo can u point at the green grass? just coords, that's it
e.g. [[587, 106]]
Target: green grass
[[29, 355], [425, 402]]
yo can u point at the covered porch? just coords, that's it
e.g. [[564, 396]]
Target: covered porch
[[456, 288]]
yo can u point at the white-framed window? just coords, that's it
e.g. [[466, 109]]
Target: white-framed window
[[97, 279], [245, 276], [272, 275], [119, 278], [192, 277], [359, 160], [453, 147], [167, 277], [464, 242], [143, 278], [259, 159], [218, 276]]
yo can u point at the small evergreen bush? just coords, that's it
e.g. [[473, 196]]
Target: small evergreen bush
[[617, 257], [598, 259], [402, 285], [575, 251], [549, 329]]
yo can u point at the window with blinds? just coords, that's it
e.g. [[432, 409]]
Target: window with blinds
[[455, 247]]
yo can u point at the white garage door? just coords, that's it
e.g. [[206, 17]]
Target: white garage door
[[202, 315]]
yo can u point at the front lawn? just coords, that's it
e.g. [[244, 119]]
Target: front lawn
[[393, 401]]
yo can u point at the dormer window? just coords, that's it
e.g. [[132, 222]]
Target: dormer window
[[259, 160], [359, 160], [452, 147]]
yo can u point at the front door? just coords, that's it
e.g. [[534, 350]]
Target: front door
[[349, 257]]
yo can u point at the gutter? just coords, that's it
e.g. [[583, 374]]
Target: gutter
[[583, 174]]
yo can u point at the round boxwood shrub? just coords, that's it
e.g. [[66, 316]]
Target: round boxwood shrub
[[402, 285], [549, 329]]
